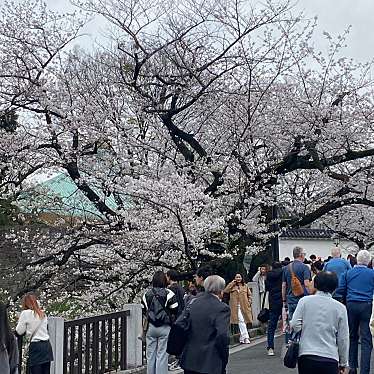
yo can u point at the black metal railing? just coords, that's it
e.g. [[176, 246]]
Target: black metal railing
[[96, 345]]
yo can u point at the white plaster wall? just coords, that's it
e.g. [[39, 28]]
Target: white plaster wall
[[318, 247]]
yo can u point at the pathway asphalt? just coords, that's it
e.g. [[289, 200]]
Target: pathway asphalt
[[254, 359]]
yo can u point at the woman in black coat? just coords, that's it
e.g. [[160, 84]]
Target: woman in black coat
[[8, 345], [273, 285]]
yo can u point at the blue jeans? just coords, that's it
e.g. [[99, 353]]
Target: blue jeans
[[291, 311], [359, 314], [157, 358], [274, 315]]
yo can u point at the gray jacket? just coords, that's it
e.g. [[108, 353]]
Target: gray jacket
[[324, 329], [207, 348], [9, 360]]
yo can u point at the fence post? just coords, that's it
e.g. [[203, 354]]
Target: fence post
[[134, 334], [256, 307], [56, 333]]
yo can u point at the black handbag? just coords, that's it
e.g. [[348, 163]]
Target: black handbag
[[179, 332], [292, 353], [264, 314]]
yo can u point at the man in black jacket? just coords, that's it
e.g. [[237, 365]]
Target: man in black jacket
[[207, 348], [273, 285], [173, 278]]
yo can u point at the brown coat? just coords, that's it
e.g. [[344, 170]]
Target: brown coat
[[242, 297]]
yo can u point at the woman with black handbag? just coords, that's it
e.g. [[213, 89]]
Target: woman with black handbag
[[33, 321], [323, 323]]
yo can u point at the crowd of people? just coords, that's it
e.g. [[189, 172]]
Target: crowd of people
[[333, 318], [326, 304]]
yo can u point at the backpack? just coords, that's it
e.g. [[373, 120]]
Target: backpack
[[157, 313], [296, 286]]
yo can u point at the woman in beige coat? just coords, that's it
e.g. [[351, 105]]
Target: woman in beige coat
[[240, 304]]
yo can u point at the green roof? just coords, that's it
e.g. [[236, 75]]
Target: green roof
[[62, 197]]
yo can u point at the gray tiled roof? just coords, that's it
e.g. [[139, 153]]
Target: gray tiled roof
[[307, 233]]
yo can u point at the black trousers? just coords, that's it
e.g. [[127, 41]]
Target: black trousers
[[191, 372], [41, 369], [308, 366]]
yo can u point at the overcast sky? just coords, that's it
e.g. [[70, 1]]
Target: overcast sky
[[334, 17]]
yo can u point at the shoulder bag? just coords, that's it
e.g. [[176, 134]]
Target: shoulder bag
[[264, 315], [296, 286], [292, 353]]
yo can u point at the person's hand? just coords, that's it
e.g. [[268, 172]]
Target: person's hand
[[343, 370]]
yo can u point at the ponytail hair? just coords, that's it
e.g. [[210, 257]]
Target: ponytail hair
[[30, 302]]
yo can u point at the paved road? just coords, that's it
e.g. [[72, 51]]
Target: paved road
[[255, 360]]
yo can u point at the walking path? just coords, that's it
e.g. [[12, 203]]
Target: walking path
[[254, 359]]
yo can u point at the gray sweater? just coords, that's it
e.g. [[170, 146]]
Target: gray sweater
[[324, 329]]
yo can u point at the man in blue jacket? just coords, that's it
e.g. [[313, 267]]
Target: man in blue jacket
[[337, 265], [357, 287]]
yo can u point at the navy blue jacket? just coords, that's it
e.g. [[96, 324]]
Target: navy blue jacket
[[273, 285]]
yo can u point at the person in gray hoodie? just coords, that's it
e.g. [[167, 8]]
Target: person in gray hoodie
[[8, 345]]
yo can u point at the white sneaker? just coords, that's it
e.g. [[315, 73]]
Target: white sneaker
[[174, 366], [270, 352]]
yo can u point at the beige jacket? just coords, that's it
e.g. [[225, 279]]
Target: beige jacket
[[241, 297]]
